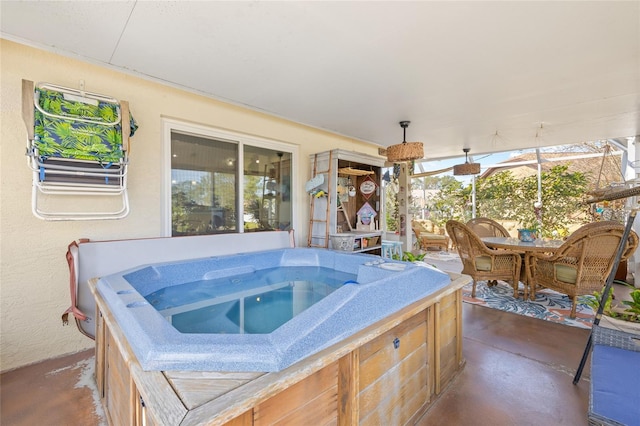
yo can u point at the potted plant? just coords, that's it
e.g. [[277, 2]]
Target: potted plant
[[530, 224], [624, 315], [528, 230], [528, 233]]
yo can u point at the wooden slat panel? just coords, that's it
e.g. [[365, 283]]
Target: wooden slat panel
[[100, 354], [448, 363], [419, 404], [298, 395], [448, 316], [459, 326], [412, 404], [118, 386], [198, 387], [393, 409], [348, 379], [195, 392], [431, 351], [245, 419], [450, 354], [142, 415], [388, 356], [447, 302], [448, 332], [374, 345], [393, 380], [321, 410], [223, 375], [448, 342]]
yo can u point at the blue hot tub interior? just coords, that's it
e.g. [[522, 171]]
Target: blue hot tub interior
[[255, 303], [381, 290]]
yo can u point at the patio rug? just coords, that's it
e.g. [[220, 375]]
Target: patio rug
[[549, 305]]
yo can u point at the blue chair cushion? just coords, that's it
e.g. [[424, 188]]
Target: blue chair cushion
[[615, 384]]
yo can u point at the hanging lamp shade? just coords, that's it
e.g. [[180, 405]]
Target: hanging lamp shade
[[467, 168], [405, 151]]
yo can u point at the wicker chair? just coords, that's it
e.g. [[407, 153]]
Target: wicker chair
[[582, 264], [632, 243], [427, 239], [481, 262], [485, 227]]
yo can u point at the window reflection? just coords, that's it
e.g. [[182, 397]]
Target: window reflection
[[267, 189], [205, 186]]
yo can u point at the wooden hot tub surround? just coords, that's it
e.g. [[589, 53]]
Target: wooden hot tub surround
[[387, 373]]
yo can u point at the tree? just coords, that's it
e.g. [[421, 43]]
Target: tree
[[391, 204], [498, 196], [502, 196], [563, 204], [450, 202]]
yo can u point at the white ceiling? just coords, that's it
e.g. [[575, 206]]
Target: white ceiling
[[485, 75]]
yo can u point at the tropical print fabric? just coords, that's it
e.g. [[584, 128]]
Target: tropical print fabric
[[70, 128]]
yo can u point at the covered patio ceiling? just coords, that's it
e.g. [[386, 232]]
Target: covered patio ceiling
[[490, 76]]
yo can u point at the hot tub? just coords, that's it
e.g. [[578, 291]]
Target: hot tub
[[373, 291]]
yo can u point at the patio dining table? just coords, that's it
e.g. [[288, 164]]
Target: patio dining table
[[514, 244]]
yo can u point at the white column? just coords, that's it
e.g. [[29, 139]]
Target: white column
[[403, 200], [632, 173]]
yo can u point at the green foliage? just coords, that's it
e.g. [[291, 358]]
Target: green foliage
[[451, 202], [391, 205], [193, 204], [503, 196], [634, 303], [407, 256], [594, 303], [631, 313], [497, 195]]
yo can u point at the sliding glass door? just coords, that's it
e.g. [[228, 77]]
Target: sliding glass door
[[221, 185]]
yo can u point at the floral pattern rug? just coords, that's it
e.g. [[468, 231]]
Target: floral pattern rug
[[549, 305]]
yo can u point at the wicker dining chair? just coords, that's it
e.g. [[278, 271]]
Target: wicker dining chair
[[582, 264], [426, 236], [632, 243], [482, 262], [485, 227]]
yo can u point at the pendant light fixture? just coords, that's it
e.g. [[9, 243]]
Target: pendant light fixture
[[405, 151], [467, 168]]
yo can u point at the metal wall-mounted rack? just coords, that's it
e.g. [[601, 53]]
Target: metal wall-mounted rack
[[77, 146]]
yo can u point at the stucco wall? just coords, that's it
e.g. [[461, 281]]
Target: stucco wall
[[34, 289]]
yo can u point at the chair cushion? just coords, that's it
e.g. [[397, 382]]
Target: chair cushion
[[566, 274], [422, 225], [483, 263], [431, 236], [615, 384], [67, 128]]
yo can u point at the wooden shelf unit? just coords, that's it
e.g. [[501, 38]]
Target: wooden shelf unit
[[342, 216]]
